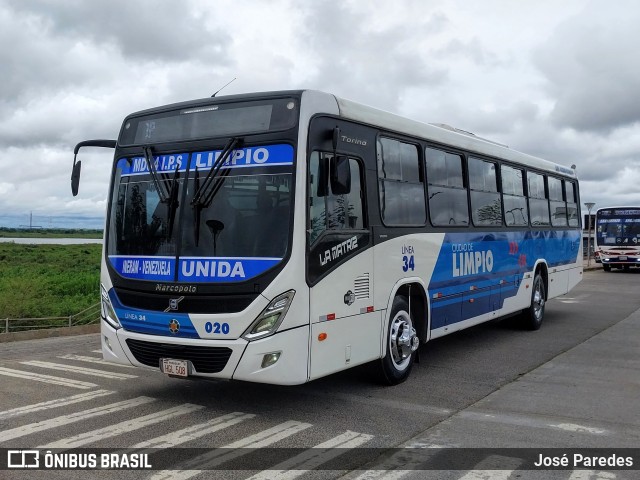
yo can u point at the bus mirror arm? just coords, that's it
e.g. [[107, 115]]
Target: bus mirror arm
[[77, 165]]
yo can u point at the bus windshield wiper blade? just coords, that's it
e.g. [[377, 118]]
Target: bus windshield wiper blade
[[161, 187], [202, 196], [172, 206]]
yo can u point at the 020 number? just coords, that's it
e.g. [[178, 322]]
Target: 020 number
[[217, 328]]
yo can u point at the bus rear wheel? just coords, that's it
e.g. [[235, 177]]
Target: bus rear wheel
[[532, 317], [402, 342]]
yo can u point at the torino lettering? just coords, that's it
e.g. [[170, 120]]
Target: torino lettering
[[472, 263]]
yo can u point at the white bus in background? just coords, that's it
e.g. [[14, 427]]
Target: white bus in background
[[281, 237], [617, 237]]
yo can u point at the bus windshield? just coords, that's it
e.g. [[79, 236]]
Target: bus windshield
[[241, 230], [618, 227]]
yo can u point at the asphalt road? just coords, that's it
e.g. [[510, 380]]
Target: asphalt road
[[347, 409]]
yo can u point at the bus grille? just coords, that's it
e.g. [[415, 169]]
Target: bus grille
[[204, 359]]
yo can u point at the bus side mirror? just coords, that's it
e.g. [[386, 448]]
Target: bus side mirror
[[340, 175], [323, 178], [75, 173], [75, 176]]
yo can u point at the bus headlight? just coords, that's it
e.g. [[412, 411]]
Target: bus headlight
[[106, 309], [271, 317]]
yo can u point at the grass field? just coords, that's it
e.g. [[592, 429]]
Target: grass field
[[48, 280], [49, 233]]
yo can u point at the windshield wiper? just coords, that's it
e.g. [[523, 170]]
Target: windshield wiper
[[161, 187], [172, 206], [202, 196], [167, 189], [205, 192]]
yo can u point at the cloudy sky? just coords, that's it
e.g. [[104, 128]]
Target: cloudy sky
[[559, 80]]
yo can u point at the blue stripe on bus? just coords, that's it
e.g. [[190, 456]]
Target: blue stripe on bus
[[170, 324], [487, 268], [192, 269]]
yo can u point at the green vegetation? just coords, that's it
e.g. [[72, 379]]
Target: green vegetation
[[48, 280], [6, 232]]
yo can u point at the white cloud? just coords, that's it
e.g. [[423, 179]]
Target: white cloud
[[557, 80]]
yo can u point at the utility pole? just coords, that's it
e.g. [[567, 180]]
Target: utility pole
[[589, 206]]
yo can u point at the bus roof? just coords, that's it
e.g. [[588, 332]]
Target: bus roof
[[437, 133], [445, 135]]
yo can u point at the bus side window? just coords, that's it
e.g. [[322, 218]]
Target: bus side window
[[557, 203], [400, 183], [514, 203], [486, 208], [447, 194], [572, 203], [538, 203]]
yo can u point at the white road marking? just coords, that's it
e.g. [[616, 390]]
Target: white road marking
[[73, 417], [99, 361], [401, 463], [59, 402], [591, 475], [80, 370], [313, 457], [533, 421], [572, 427], [97, 351], [195, 431], [494, 467], [38, 377], [209, 460], [122, 427]]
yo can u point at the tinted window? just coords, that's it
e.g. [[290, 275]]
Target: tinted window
[[511, 180], [536, 185], [444, 168], [447, 195], [329, 211], [400, 183], [486, 208], [482, 175], [516, 212], [572, 203]]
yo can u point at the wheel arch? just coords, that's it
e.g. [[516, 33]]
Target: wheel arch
[[542, 268], [414, 290]]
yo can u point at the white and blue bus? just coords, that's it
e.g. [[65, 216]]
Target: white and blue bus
[[618, 237], [281, 237]]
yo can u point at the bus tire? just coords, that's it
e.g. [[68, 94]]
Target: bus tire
[[532, 317], [402, 342], [607, 268]]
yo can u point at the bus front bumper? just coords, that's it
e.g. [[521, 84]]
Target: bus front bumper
[[280, 359]]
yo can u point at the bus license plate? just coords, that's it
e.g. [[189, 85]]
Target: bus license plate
[[622, 257], [178, 368]]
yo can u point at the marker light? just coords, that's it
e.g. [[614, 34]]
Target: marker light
[[271, 317], [106, 309]]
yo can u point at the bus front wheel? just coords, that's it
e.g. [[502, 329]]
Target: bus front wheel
[[533, 316], [402, 342], [607, 268]]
